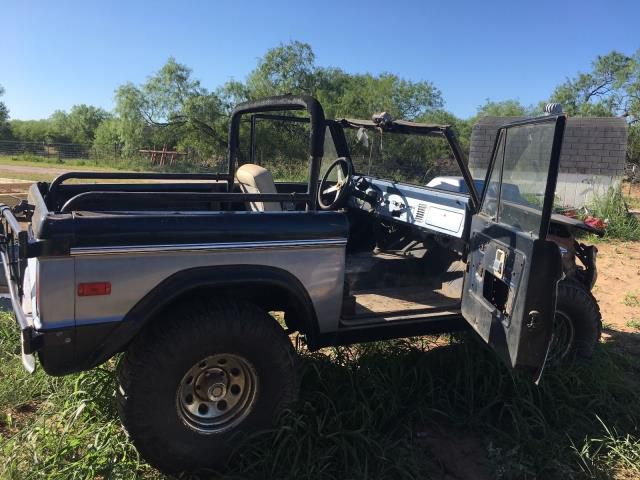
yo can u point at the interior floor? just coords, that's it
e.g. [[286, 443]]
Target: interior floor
[[380, 283]]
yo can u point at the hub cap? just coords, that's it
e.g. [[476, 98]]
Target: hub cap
[[217, 393]]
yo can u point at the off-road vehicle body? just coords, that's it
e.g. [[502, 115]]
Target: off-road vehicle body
[[185, 276]]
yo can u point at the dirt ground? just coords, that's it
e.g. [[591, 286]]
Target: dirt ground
[[617, 288], [618, 292], [26, 169]]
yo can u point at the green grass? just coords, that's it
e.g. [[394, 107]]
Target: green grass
[[634, 324], [612, 208], [59, 427], [31, 176], [79, 163], [633, 202], [282, 170], [631, 300], [360, 415], [106, 163], [133, 165]]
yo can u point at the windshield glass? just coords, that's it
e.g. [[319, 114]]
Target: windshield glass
[[516, 191], [412, 159]]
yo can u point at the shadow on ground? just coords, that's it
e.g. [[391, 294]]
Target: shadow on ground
[[404, 410], [419, 408]]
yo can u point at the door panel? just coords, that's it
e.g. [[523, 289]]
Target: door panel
[[510, 283]]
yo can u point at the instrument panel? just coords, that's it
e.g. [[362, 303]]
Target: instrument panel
[[435, 210]]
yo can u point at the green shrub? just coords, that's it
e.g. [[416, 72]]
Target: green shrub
[[612, 208], [631, 299]]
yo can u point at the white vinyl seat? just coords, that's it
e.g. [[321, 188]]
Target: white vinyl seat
[[256, 179]]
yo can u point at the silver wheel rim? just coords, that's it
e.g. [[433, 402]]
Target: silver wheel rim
[[562, 338], [217, 393]]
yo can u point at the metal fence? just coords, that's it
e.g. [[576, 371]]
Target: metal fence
[[110, 155], [61, 150]]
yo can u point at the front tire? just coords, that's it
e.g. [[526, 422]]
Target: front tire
[[577, 325], [201, 378]]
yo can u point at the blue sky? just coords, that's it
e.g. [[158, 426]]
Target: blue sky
[[57, 54]]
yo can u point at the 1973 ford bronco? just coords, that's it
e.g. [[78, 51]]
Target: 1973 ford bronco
[[199, 280]]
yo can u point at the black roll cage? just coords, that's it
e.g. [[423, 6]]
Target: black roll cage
[[259, 108]]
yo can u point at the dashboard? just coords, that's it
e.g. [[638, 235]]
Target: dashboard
[[422, 207]]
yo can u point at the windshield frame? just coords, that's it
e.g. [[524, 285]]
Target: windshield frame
[[423, 129]]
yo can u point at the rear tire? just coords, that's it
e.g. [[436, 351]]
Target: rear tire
[[577, 325], [201, 378]]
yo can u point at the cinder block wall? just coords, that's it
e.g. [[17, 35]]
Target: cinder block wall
[[592, 159]]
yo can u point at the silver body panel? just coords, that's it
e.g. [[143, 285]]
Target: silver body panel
[[136, 270], [53, 283]]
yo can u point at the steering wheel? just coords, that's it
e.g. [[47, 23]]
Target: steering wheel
[[332, 196]]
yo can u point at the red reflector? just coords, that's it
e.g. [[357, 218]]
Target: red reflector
[[94, 288]]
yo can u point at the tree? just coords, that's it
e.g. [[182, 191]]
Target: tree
[[83, 121], [108, 132], [364, 95], [77, 126], [129, 105], [504, 108], [29, 130], [288, 68], [169, 106], [4, 116], [611, 88], [461, 127], [291, 68], [58, 127]]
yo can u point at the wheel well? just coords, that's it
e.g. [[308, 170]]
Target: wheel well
[[271, 288], [269, 297]]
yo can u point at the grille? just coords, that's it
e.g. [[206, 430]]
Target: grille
[[420, 213]]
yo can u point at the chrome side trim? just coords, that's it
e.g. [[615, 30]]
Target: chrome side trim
[[198, 247]]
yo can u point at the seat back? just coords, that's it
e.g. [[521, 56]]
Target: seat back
[[256, 179]]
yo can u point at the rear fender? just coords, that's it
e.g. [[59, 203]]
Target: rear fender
[[231, 281]]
